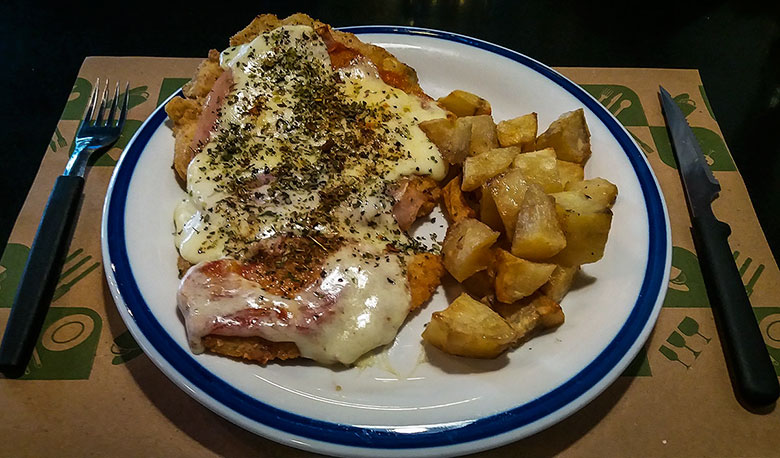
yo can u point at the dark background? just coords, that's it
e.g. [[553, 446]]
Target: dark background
[[734, 45]]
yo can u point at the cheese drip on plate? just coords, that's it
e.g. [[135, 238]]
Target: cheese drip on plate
[[301, 148]]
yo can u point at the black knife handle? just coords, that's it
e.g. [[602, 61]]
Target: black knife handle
[[41, 274], [754, 376]]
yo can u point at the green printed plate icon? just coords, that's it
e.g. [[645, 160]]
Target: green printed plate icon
[[713, 147], [67, 345], [11, 268], [168, 87], [124, 348], [621, 101], [686, 284], [769, 324]]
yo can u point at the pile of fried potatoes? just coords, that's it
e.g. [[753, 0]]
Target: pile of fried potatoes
[[522, 221]]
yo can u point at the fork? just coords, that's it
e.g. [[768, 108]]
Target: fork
[[50, 246]]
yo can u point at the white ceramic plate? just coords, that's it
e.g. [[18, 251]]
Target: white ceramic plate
[[409, 400]]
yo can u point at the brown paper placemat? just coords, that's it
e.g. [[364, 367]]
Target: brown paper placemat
[[90, 390]]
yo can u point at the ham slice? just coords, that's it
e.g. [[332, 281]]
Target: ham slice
[[210, 113]]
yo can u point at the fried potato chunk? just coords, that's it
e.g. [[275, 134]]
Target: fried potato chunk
[[517, 278], [569, 172], [508, 191], [480, 168], [598, 189], [560, 282], [540, 167], [520, 131], [586, 223], [538, 233], [462, 103], [469, 328], [451, 136], [466, 248], [531, 315], [568, 136], [483, 134]]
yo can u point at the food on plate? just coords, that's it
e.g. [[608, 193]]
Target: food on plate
[[466, 249], [519, 131], [469, 328], [308, 156], [305, 165], [462, 103], [538, 221], [568, 136]]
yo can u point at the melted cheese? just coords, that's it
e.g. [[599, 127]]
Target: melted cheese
[[356, 306], [302, 149], [371, 128]]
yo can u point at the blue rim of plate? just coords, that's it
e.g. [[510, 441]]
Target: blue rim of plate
[[379, 438]]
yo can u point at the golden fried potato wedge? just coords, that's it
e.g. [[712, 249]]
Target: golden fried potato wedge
[[462, 103], [540, 167], [517, 278], [586, 223], [466, 248], [451, 136], [570, 172], [532, 314], [560, 282], [508, 191], [483, 133], [480, 284], [596, 188], [538, 234], [455, 202], [482, 167], [469, 328], [569, 136], [520, 131], [488, 212]]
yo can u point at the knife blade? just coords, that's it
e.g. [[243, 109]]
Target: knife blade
[[752, 373]]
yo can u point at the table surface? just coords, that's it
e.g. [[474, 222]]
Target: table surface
[[735, 46]]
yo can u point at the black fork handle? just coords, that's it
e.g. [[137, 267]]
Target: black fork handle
[[41, 274]]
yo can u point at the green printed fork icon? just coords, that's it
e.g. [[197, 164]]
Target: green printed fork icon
[[78, 267], [743, 270]]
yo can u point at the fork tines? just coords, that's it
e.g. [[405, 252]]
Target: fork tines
[[104, 101]]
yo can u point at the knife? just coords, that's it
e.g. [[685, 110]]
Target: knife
[[753, 376]]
